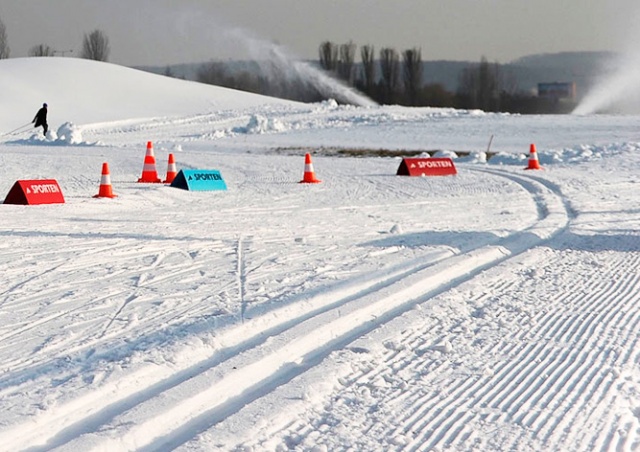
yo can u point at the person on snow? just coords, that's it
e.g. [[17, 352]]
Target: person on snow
[[41, 119]]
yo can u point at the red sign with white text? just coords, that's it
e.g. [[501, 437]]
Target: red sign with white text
[[29, 192], [435, 166]]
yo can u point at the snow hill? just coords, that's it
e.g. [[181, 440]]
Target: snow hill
[[498, 309], [82, 91]]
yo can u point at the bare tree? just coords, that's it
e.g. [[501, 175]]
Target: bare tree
[[508, 81], [41, 50], [468, 88], [95, 46], [368, 67], [480, 86], [345, 63], [412, 59], [390, 69], [328, 56], [487, 85], [4, 45]]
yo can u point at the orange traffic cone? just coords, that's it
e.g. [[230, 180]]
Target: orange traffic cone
[[172, 172], [533, 158], [309, 175], [105, 184], [149, 173]]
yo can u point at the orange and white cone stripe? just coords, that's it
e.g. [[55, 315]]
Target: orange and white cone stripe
[[172, 171], [534, 164], [309, 175], [149, 172], [105, 190]]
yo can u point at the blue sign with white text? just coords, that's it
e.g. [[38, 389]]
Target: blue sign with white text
[[199, 180]]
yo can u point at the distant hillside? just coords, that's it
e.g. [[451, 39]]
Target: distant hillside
[[583, 68], [578, 61]]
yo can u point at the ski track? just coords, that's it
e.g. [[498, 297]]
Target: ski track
[[141, 286], [289, 347], [540, 388]]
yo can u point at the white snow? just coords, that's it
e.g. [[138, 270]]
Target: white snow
[[497, 309]]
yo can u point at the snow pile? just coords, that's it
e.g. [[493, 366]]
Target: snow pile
[[505, 158], [588, 153], [473, 157], [445, 154], [578, 154], [325, 105], [69, 134], [259, 124]]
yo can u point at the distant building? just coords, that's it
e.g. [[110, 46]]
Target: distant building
[[557, 90]]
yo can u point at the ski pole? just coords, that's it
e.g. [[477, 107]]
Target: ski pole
[[15, 130]]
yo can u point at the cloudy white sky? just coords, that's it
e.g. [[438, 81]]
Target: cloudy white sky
[[160, 32]]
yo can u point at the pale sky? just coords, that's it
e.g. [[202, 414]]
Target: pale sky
[[161, 32]]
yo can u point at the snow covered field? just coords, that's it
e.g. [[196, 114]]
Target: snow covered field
[[498, 309]]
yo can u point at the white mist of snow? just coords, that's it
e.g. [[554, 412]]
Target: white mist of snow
[[278, 64], [223, 40], [619, 88]]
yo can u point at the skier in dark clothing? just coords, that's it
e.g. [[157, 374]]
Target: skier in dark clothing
[[41, 119]]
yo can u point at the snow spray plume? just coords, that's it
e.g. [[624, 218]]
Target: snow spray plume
[[279, 66], [619, 88], [196, 33], [618, 91]]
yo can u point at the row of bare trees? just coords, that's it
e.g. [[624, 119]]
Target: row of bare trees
[[398, 77], [339, 59], [95, 46], [388, 77]]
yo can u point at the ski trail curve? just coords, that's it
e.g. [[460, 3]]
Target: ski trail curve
[[194, 404], [557, 375]]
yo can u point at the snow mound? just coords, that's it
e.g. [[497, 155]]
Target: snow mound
[[329, 104], [68, 133], [474, 157], [504, 158], [446, 154], [259, 124], [578, 154], [588, 153]]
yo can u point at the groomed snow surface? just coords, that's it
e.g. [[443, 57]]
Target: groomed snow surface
[[498, 309]]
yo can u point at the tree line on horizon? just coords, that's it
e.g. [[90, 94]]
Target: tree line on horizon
[[393, 78]]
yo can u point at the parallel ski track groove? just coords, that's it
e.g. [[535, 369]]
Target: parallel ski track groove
[[572, 381], [579, 364], [177, 435], [420, 408], [582, 365]]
